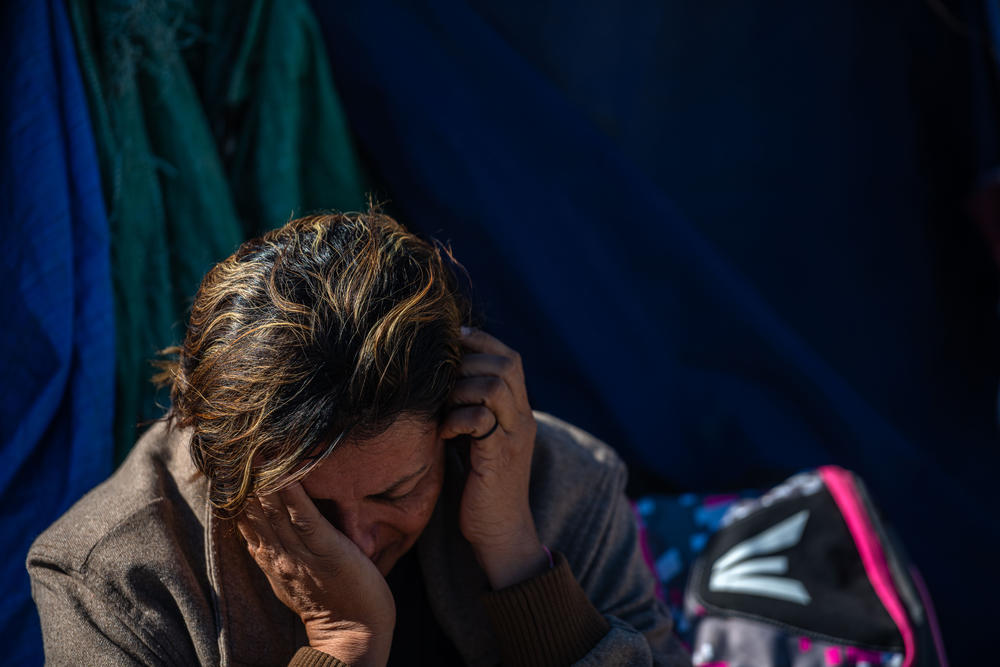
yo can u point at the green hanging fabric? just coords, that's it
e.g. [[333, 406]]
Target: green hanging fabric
[[289, 148], [210, 128]]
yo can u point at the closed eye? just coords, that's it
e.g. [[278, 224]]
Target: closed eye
[[389, 498], [392, 494]]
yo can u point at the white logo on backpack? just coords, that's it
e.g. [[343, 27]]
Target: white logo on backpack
[[739, 571]]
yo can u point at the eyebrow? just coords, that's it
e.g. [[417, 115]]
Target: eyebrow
[[400, 482]]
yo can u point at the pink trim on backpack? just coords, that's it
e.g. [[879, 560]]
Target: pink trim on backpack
[[841, 486], [719, 499], [856, 654]]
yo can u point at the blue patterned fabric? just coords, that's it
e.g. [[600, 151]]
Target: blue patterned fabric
[[57, 338], [675, 529]]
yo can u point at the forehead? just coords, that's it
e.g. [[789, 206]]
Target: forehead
[[370, 466]]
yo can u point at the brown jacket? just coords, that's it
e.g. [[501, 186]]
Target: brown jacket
[[140, 571]]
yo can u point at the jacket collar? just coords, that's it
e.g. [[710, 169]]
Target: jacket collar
[[255, 628]]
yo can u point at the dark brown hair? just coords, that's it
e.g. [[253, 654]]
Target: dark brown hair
[[332, 325]]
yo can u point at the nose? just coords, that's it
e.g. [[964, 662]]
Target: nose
[[359, 529]]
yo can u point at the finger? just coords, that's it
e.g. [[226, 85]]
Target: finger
[[277, 516], [474, 420], [248, 533], [478, 340], [480, 363], [488, 390], [254, 518], [312, 527], [508, 368]]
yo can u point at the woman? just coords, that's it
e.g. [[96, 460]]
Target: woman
[[348, 475]]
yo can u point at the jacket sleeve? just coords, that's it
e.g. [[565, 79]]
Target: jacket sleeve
[[578, 497], [310, 657], [622, 588], [549, 620], [545, 620], [80, 627]]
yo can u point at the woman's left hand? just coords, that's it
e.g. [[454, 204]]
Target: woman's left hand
[[490, 404]]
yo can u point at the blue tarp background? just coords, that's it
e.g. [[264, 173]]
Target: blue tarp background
[[728, 238]]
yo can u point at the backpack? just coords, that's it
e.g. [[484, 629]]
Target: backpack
[[809, 575]]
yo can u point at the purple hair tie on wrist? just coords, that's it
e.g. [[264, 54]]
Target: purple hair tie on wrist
[[548, 553]]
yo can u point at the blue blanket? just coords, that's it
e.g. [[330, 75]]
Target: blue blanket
[[57, 339]]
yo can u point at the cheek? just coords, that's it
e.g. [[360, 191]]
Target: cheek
[[410, 517]]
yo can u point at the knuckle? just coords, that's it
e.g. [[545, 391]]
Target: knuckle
[[302, 524], [270, 511], [264, 554]]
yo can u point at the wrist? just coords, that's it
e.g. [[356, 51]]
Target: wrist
[[510, 564], [352, 643]]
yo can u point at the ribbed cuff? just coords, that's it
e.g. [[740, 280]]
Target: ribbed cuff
[[310, 657], [547, 620]]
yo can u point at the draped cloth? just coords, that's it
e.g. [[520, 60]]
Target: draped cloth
[[57, 342], [143, 142], [214, 122]]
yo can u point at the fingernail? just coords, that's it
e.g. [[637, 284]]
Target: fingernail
[[465, 330]]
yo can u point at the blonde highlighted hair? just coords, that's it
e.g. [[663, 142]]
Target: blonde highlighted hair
[[331, 326]]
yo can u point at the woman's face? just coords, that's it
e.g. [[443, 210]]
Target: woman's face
[[381, 492]]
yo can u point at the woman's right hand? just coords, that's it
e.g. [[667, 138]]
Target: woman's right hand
[[318, 573]]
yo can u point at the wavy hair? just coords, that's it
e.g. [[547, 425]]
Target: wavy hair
[[329, 327]]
